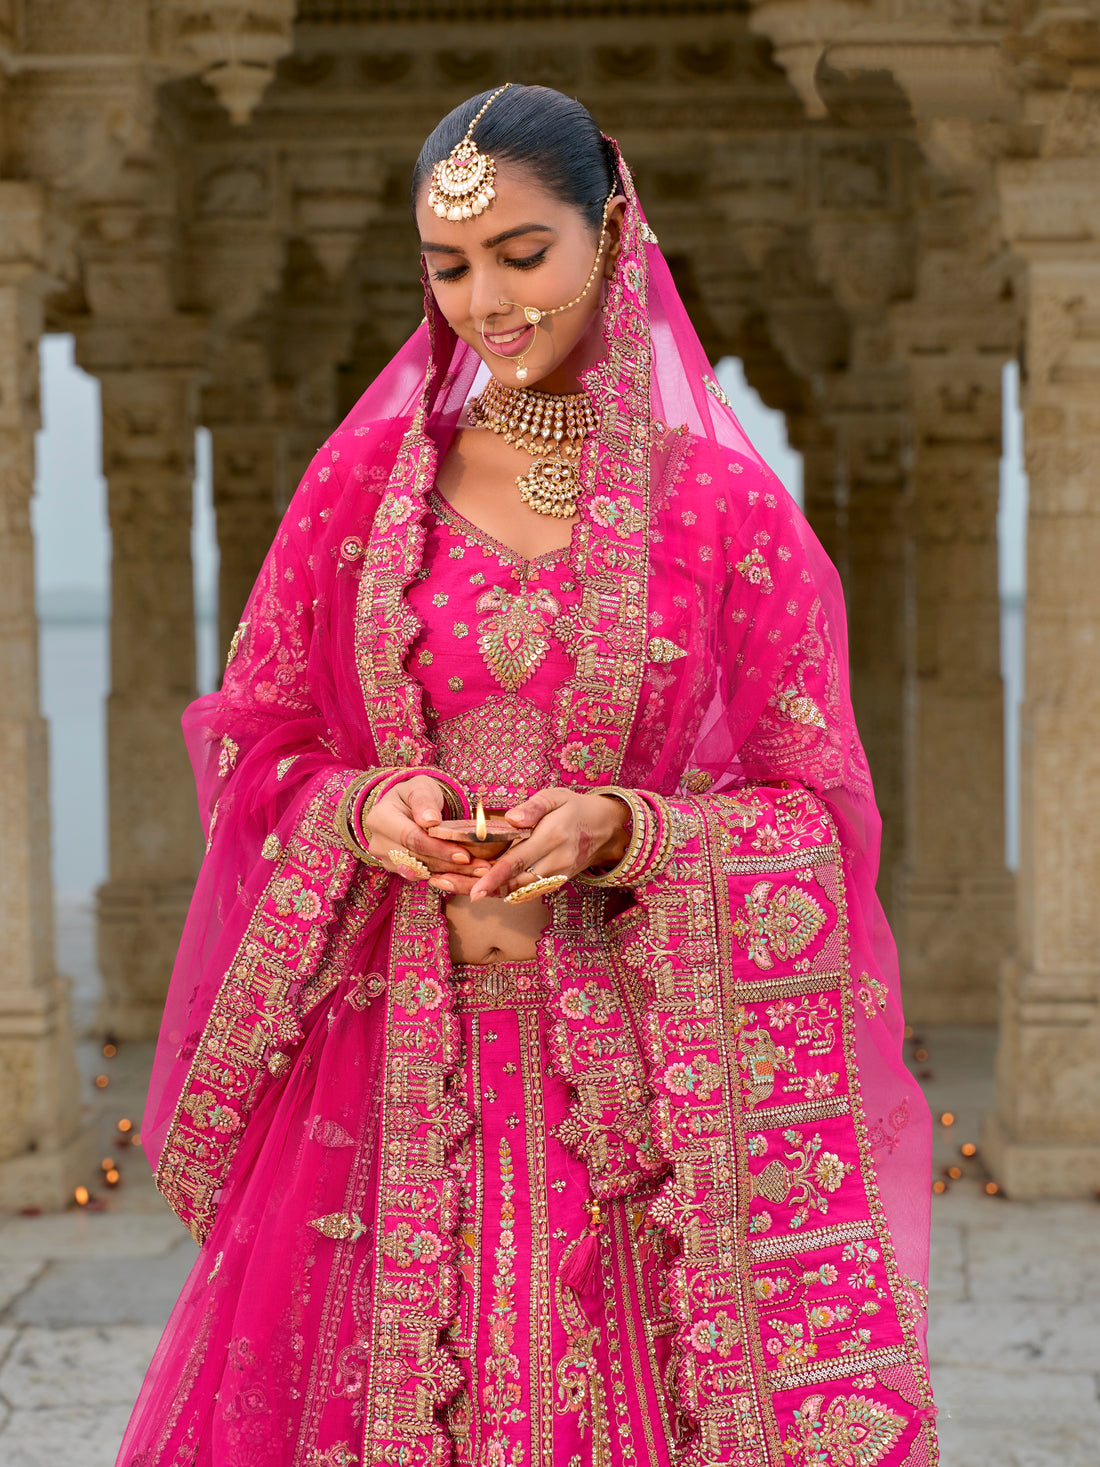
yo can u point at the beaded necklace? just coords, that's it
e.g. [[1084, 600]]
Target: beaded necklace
[[549, 427]]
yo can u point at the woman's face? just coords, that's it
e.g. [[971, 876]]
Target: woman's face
[[526, 249]]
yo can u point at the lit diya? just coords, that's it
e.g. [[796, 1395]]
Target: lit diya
[[484, 835]]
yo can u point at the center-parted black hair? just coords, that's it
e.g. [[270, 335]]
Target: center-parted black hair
[[549, 134]]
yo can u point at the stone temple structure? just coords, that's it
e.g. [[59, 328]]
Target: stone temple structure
[[874, 203]]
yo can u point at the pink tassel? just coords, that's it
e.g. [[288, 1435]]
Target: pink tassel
[[580, 1269]]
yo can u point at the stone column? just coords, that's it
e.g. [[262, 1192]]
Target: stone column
[[148, 375], [1044, 1137], [238, 406], [872, 433], [954, 906], [822, 498], [43, 1150]]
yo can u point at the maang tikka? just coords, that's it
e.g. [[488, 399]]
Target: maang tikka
[[462, 183]]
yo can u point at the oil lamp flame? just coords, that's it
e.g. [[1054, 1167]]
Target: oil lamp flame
[[480, 828]]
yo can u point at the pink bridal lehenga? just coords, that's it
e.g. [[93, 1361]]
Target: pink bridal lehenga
[[660, 1196]]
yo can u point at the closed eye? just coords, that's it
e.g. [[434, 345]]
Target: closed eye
[[523, 262], [528, 262]]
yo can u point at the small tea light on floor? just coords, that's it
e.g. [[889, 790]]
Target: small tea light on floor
[[968, 1149], [947, 1119], [82, 1195], [102, 1081], [939, 1188], [125, 1125], [992, 1189]]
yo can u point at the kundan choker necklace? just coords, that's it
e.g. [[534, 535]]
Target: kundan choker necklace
[[551, 429]]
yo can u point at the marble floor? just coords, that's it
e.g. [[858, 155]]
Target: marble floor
[[1015, 1297]]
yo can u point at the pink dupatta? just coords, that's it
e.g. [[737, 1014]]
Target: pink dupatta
[[732, 1040]]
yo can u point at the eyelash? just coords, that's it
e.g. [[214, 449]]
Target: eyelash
[[526, 262]]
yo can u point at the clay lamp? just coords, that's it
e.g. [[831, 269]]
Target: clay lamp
[[484, 836]]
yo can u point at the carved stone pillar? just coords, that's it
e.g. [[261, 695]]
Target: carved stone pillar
[[1044, 1137], [150, 398], [42, 1145], [822, 499], [238, 407], [872, 433], [954, 907]]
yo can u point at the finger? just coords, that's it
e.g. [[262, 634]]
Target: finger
[[508, 867], [429, 847], [537, 806], [425, 801], [454, 884]]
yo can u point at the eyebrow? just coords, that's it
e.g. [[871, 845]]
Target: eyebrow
[[426, 247]]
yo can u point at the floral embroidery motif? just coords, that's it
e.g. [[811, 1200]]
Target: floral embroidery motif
[[283, 765], [514, 642], [811, 1174], [871, 991], [663, 650], [227, 755], [851, 1431], [784, 926], [341, 1455], [615, 514], [800, 708], [755, 570], [346, 1227], [715, 391]]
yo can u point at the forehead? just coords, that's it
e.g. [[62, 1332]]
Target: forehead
[[519, 200]]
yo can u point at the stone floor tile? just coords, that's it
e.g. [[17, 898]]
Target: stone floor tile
[[1042, 1251], [947, 1265], [1017, 1335], [113, 1291], [16, 1276], [64, 1437], [87, 1235], [76, 1367], [992, 1418], [8, 1337]]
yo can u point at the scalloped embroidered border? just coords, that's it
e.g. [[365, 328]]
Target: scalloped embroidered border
[[254, 1019]]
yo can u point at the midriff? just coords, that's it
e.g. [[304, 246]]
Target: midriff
[[492, 930]]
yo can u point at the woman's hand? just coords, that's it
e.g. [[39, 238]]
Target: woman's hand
[[571, 832], [398, 823]]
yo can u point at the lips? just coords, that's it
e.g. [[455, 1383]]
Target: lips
[[512, 342]]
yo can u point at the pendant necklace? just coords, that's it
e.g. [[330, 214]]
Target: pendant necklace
[[550, 428]]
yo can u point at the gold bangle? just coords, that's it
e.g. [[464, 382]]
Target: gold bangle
[[343, 818], [642, 830]]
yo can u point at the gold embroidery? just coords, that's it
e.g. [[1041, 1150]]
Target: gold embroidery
[[346, 1227], [514, 642], [663, 650], [235, 644], [785, 925]]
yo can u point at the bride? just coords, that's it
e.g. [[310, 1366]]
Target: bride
[[527, 1062]]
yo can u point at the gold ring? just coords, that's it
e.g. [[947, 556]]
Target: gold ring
[[541, 886], [408, 862]]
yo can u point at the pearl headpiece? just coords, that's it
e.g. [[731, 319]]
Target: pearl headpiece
[[462, 183]]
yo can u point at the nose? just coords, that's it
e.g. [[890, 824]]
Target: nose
[[487, 297]]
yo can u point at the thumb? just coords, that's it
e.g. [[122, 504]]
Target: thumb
[[426, 802]]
